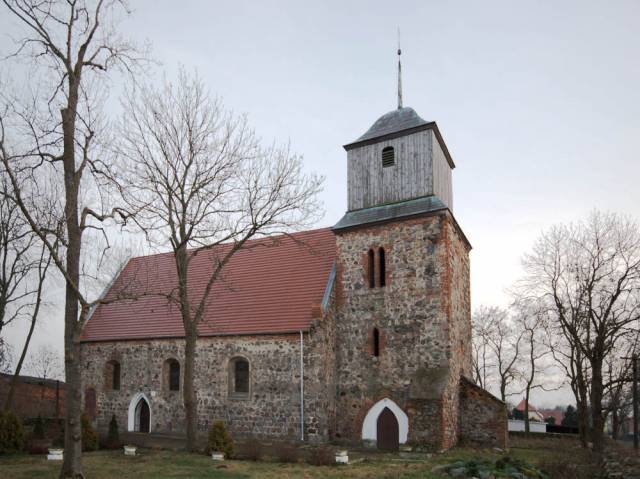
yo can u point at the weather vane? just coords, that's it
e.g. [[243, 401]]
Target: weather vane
[[399, 73]]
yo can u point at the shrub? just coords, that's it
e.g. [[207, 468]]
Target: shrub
[[56, 433], [89, 436], [38, 428], [252, 449], [113, 437], [220, 440], [11, 432], [321, 456], [287, 452]]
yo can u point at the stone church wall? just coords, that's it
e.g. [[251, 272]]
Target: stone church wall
[[411, 314], [483, 417], [272, 408]]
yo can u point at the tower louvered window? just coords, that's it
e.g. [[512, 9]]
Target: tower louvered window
[[388, 156]]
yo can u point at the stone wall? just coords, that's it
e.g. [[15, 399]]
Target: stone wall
[[483, 417], [417, 312], [272, 408]]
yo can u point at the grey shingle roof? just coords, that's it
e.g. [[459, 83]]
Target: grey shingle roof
[[394, 121], [391, 211]]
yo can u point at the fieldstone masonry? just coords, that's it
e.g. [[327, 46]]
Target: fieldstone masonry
[[403, 343]]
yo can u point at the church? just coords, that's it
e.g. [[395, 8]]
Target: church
[[356, 334]]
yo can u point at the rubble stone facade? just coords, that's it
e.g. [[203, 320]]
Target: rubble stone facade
[[386, 357]]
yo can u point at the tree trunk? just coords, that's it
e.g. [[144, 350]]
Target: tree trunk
[[526, 412], [596, 407], [72, 464], [191, 336], [190, 400], [615, 424]]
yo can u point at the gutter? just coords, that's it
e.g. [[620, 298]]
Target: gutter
[[301, 387]]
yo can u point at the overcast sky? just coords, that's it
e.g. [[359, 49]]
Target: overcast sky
[[538, 101]]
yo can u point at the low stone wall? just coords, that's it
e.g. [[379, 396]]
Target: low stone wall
[[483, 417]]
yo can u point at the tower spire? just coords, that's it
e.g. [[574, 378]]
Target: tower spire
[[399, 73]]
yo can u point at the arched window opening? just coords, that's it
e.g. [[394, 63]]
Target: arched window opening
[[383, 268], [171, 374], [371, 270], [239, 380], [388, 156], [376, 342], [112, 375]]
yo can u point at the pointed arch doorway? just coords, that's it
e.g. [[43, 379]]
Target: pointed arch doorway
[[386, 424], [143, 415], [388, 431], [139, 419]]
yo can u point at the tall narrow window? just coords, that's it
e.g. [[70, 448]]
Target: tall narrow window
[[388, 156], [171, 375], [376, 342], [239, 377], [383, 268], [116, 376], [174, 376], [112, 375], [371, 270]]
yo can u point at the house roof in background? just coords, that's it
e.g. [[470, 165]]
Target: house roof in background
[[269, 287]]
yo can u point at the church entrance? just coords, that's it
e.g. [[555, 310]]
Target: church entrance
[[142, 416], [388, 433]]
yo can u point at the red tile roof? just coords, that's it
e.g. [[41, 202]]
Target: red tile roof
[[521, 404], [270, 286]]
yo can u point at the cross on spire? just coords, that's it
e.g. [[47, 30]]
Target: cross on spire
[[399, 73]]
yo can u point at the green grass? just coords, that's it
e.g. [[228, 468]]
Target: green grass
[[166, 464]]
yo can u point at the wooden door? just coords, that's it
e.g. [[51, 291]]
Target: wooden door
[[388, 434], [143, 413]]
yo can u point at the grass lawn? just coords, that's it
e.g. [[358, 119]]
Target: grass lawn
[[167, 464]]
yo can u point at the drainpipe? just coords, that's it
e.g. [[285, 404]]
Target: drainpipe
[[301, 387]]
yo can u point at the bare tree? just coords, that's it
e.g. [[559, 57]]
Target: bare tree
[[589, 274], [481, 354], [54, 133], [39, 278], [203, 183], [6, 356], [535, 371], [502, 341], [45, 363]]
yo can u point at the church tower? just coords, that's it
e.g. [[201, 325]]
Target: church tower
[[403, 328]]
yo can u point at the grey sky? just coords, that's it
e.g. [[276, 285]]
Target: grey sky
[[538, 101]]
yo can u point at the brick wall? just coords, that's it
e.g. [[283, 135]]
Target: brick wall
[[34, 396]]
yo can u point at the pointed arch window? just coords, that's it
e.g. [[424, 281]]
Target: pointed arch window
[[371, 269], [388, 156], [382, 270]]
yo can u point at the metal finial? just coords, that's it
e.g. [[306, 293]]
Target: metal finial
[[399, 73]]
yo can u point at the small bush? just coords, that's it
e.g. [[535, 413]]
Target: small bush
[[321, 456], [253, 450], [89, 436], [56, 433], [113, 437], [11, 433], [287, 452], [220, 440]]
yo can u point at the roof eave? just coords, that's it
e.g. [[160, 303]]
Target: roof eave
[[407, 131]]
